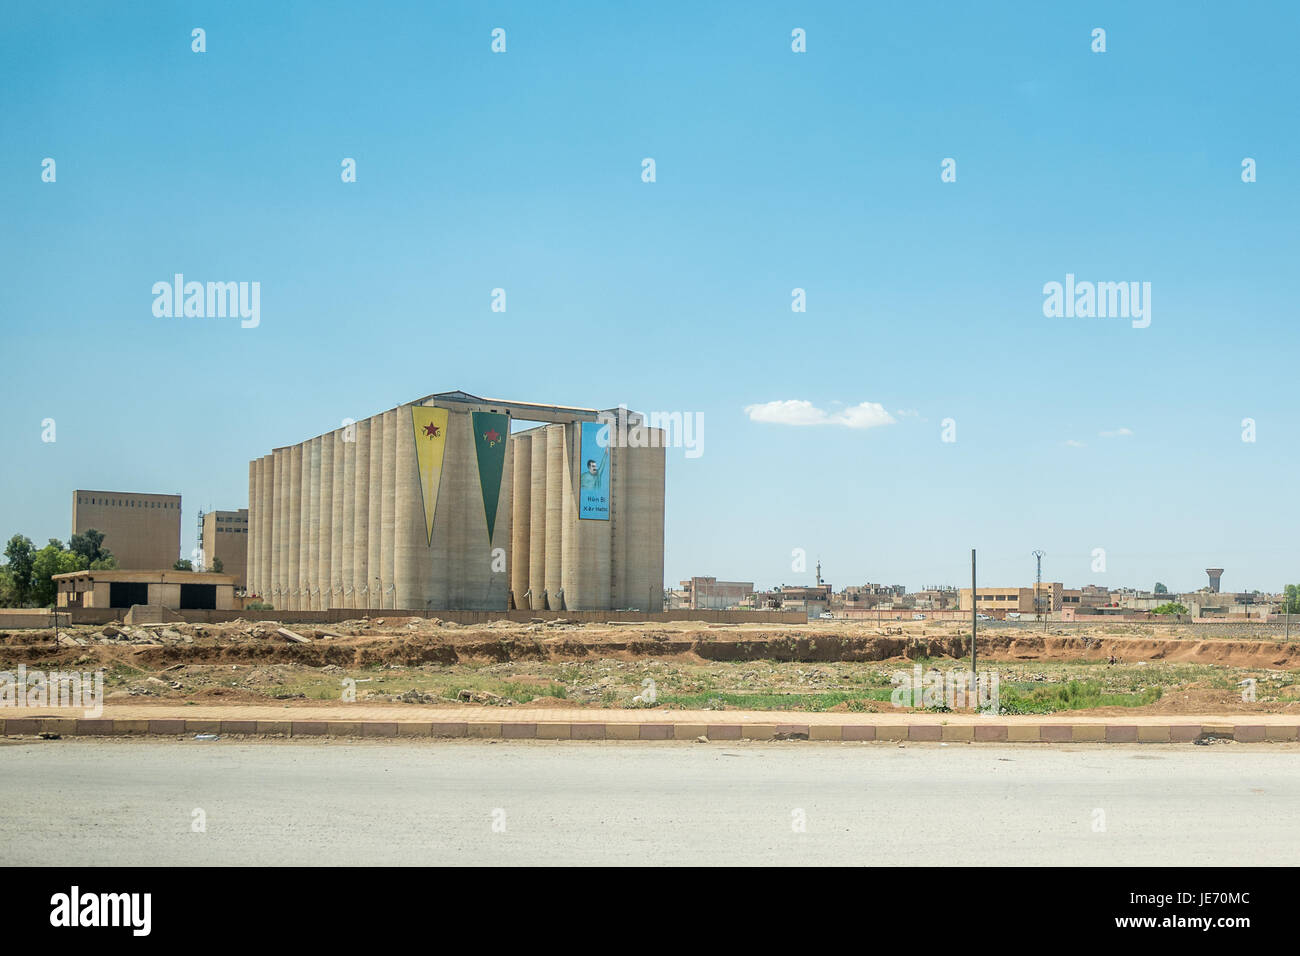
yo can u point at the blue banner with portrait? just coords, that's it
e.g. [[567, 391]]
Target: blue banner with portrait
[[593, 481]]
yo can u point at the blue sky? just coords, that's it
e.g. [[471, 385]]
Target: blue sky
[[775, 170]]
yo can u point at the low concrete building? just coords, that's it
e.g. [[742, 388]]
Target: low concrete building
[[938, 598], [708, 593], [812, 600], [1144, 600], [1094, 595], [677, 599], [999, 601], [857, 596], [179, 590]]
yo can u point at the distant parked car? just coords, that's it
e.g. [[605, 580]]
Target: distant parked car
[[1013, 615], [918, 617], [826, 616], [982, 617]]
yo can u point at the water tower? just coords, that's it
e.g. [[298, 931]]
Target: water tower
[[1215, 574]]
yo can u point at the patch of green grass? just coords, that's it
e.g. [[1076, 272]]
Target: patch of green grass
[[1072, 695], [523, 693], [374, 681], [119, 673], [1026, 686]]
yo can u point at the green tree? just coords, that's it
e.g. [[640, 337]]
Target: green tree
[[1160, 589], [184, 564], [1173, 607], [218, 565], [90, 545], [1291, 599], [107, 563], [20, 553], [51, 560], [8, 595]]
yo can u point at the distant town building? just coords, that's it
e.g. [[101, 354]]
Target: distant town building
[[1049, 597], [938, 598], [1143, 600], [814, 600], [142, 531], [708, 593], [677, 599], [1093, 595], [870, 595]]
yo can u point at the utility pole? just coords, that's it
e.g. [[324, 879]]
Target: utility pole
[[974, 619], [1038, 587]]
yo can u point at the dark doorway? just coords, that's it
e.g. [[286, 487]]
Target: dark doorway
[[127, 593], [201, 597]]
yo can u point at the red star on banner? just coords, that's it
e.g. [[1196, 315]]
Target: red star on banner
[[492, 437], [431, 430]]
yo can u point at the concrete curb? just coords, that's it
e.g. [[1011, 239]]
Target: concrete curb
[[1008, 732]]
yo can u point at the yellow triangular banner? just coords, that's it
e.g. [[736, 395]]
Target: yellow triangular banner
[[430, 442]]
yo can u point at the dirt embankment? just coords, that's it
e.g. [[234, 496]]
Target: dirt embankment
[[414, 643]]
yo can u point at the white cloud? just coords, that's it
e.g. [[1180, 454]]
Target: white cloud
[[863, 415], [799, 412], [1071, 443], [792, 412], [1117, 433]]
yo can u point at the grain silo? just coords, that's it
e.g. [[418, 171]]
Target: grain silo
[[445, 503]]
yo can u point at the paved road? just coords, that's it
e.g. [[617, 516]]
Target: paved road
[[381, 802]]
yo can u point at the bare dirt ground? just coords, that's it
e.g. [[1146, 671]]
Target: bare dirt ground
[[826, 666]]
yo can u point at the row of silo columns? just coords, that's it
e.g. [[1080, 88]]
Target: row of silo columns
[[320, 521]]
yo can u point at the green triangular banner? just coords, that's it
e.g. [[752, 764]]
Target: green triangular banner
[[490, 432]]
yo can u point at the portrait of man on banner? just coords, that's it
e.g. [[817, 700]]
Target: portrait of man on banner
[[593, 482]]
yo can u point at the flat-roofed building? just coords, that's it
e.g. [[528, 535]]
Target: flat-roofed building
[[178, 590], [224, 535], [708, 593], [1094, 595], [143, 531], [996, 601], [814, 600], [936, 599]]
